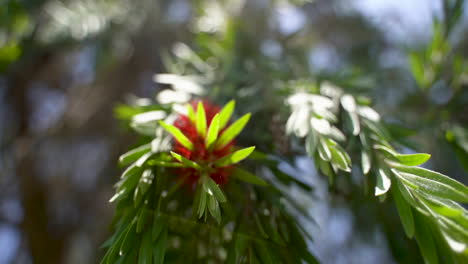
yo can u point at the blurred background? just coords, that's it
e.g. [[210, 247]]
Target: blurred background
[[65, 65]]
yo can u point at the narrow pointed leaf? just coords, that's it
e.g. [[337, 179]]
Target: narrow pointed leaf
[[146, 250], [383, 182], [338, 158], [213, 207], [213, 130], [365, 162], [425, 240], [246, 176], [201, 120], [413, 159], [213, 189], [191, 113], [232, 131], [186, 161], [202, 203], [160, 248], [404, 210], [234, 157], [134, 154], [434, 186], [226, 113], [177, 134], [324, 150]]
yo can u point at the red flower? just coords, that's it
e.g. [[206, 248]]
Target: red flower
[[200, 153]]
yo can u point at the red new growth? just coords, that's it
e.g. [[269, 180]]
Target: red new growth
[[200, 153]]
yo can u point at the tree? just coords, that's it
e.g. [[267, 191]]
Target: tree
[[266, 124], [193, 191]]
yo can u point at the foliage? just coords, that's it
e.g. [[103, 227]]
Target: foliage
[[162, 217]]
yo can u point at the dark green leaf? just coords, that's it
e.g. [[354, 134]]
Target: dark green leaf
[[202, 203], [160, 248], [246, 176], [213, 207], [425, 240], [213, 189], [404, 210], [146, 250], [159, 226]]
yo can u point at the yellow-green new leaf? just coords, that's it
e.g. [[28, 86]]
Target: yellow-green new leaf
[[186, 161], [213, 130], [201, 120], [232, 131], [234, 157], [413, 159], [191, 113], [178, 135], [225, 113]]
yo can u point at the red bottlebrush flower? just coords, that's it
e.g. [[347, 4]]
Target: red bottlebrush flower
[[200, 153]]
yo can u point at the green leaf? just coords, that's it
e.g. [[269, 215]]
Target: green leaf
[[246, 176], [404, 210], [185, 161], [134, 154], [213, 130], [191, 113], [324, 150], [213, 189], [225, 114], [434, 183], [234, 157], [142, 219], [202, 203], [365, 162], [232, 131], [413, 159], [132, 169], [339, 159], [160, 248], [387, 151], [146, 250], [128, 239], [177, 134], [213, 207], [425, 239], [159, 226], [417, 68], [201, 120], [260, 226], [311, 144], [326, 169], [383, 182]]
